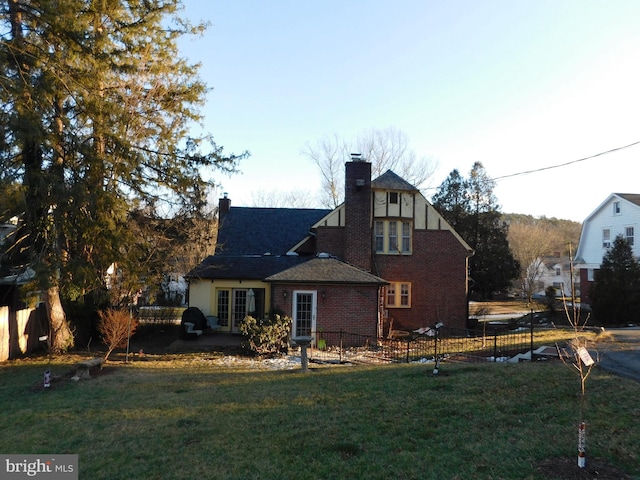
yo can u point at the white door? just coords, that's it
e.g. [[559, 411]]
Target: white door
[[304, 313]]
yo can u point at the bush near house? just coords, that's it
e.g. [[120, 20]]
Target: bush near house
[[115, 326], [267, 336]]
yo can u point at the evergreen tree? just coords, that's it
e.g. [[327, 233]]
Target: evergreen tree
[[96, 110], [470, 206], [615, 295], [452, 200]]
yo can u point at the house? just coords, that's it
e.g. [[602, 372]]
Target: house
[[554, 271], [619, 214], [383, 260]]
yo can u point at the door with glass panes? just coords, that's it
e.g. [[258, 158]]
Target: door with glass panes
[[304, 313]]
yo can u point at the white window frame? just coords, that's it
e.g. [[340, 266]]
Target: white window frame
[[379, 236], [629, 234], [616, 208], [606, 238]]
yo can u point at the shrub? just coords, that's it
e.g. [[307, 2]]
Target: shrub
[[115, 326], [267, 336]]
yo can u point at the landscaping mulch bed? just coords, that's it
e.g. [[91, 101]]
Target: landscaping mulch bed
[[567, 469]]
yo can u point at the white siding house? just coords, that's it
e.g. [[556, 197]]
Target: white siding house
[[619, 214], [554, 271]]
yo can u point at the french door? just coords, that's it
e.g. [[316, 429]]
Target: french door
[[239, 308]]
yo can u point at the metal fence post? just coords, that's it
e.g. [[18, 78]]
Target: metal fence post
[[531, 340], [436, 369]]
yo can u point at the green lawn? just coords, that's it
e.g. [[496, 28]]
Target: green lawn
[[191, 418]]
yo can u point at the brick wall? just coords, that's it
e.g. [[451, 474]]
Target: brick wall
[[437, 272], [330, 240], [352, 309], [585, 286]]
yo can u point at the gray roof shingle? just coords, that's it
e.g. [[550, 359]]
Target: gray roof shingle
[[243, 267], [391, 181], [631, 197], [326, 270], [256, 231]]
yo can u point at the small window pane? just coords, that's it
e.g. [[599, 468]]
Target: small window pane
[[379, 236], [393, 237], [404, 294], [406, 237], [629, 234], [391, 295]]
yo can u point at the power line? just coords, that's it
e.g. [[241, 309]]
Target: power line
[[567, 163]]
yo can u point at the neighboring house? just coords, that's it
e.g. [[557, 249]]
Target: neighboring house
[[554, 271], [384, 259], [619, 214]]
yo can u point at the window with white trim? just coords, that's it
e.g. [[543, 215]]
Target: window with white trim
[[393, 236], [398, 295], [606, 238], [379, 236], [629, 234], [616, 208]]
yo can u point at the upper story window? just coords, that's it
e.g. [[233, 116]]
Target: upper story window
[[558, 271], [379, 236], [393, 236], [616, 208], [393, 197], [606, 238], [629, 234]]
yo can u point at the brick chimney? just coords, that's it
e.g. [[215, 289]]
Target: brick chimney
[[358, 212], [224, 204]]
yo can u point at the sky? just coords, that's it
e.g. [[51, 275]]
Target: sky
[[518, 85]]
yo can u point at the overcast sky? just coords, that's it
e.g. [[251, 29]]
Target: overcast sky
[[515, 84]]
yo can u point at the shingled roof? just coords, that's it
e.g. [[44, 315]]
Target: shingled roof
[[630, 197], [256, 231], [244, 267], [391, 181], [326, 270]]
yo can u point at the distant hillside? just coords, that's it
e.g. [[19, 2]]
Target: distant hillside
[[567, 231]]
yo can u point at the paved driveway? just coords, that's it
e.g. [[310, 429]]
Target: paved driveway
[[623, 356]]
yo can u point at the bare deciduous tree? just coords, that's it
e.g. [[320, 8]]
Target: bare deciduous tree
[[386, 149], [297, 198], [529, 244]]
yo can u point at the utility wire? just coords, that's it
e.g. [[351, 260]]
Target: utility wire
[[567, 163]]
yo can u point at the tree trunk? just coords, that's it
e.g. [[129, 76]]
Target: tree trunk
[[61, 337]]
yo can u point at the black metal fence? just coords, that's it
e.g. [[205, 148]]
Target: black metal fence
[[435, 344]]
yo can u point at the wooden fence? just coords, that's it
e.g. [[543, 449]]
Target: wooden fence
[[19, 332]]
